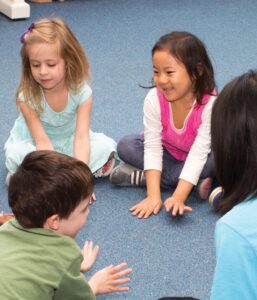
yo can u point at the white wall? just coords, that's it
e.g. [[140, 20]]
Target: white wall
[[15, 9]]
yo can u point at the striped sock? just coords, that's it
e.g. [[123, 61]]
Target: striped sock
[[138, 177]]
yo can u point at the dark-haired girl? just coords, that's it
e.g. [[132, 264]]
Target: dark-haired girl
[[174, 152], [234, 143]]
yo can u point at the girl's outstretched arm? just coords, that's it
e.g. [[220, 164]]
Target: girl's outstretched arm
[[81, 141], [36, 128], [193, 166], [153, 153], [200, 149]]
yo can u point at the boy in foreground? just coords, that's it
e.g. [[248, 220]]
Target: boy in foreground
[[49, 195]]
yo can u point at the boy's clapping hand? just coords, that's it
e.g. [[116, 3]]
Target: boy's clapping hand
[[109, 279], [89, 253]]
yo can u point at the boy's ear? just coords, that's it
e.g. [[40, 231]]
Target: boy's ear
[[52, 223]]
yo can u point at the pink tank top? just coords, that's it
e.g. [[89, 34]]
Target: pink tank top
[[179, 141]]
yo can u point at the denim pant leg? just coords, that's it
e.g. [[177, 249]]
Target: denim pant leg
[[131, 150], [173, 167], [208, 169]]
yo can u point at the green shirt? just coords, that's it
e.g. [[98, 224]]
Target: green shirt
[[38, 264]]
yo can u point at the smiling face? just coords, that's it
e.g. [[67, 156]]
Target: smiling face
[[171, 77], [47, 66], [76, 220]]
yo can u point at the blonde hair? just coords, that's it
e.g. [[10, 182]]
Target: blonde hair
[[51, 31]]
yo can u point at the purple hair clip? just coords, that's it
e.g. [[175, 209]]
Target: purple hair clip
[[31, 26]]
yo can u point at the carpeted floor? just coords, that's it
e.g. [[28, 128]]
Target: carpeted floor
[[169, 256]]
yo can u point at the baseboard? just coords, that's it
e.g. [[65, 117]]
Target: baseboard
[[41, 1], [15, 9]]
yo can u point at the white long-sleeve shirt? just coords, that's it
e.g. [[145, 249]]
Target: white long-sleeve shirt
[[153, 150]]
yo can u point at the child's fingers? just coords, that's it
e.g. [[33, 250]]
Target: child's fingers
[[143, 213], [119, 267], [136, 211], [87, 246], [188, 208], [140, 211], [133, 208], [121, 289], [136, 207], [93, 250], [116, 270], [147, 214], [96, 250], [181, 210], [175, 210], [121, 281], [168, 206], [122, 274], [157, 209]]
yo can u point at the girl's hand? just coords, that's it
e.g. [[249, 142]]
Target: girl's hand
[[109, 279], [146, 207], [177, 206], [89, 253]]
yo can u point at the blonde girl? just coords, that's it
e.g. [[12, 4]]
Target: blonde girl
[[55, 100]]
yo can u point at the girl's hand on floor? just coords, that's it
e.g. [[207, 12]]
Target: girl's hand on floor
[[176, 206], [89, 253], [148, 206], [109, 279]]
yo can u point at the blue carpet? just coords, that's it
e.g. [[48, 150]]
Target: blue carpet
[[169, 256]]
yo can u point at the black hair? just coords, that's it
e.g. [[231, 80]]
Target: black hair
[[234, 140], [190, 51]]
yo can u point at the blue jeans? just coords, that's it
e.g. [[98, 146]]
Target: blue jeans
[[131, 150]]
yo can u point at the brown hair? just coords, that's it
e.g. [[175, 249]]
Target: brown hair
[[48, 183]]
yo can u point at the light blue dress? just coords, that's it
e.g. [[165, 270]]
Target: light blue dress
[[60, 128], [236, 250]]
